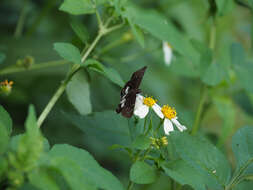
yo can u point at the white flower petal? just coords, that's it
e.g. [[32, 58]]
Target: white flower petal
[[167, 126], [138, 101], [167, 50], [141, 111], [179, 126], [157, 110]]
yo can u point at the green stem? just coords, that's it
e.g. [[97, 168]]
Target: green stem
[[236, 178], [63, 86], [16, 69], [146, 153], [212, 41], [100, 23], [130, 185], [103, 31], [21, 21], [199, 111], [92, 46]]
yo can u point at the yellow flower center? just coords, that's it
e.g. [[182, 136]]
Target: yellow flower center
[[149, 101], [169, 112], [6, 83], [6, 86]]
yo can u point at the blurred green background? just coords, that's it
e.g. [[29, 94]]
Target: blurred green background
[[228, 106]]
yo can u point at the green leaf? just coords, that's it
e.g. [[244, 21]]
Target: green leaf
[[68, 52], [47, 178], [31, 121], [113, 127], [2, 57], [142, 142], [80, 30], [29, 146], [4, 138], [5, 120], [3, 167], [244, 73], [77, 7], [78, 91], [157, 25], [79, 167], [242, 146], [109, 73], [182, 67], [214, 74], [237, 54], [185, 174], [15, 140], [227, 112], [245, 185], [204, 157], [137, 32], [242, 68], [142, 173], [224, 6]]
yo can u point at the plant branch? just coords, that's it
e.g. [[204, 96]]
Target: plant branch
[[21, 20], [103, 31], [212, 41], [199, 111], [63, 86], [15, 69]]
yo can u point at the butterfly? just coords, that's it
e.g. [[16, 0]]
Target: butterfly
[[129, 92]]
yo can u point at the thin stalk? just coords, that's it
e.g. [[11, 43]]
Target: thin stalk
[[116, 27], [91, 47], [146, 153], [63, 86], [130, 185], [56, 96], [21, 20], [17, 69], [74, 69], [195, 127], [100, 23], [212, 41], [236, 178], [145, 124]]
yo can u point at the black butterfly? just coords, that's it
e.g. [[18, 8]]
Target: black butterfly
[[128, 93]]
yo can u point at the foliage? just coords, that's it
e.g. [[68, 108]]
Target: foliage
[[83, 143]]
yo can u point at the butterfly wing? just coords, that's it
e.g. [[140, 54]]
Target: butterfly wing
[[128, 93], [136, 78], [128, 108]]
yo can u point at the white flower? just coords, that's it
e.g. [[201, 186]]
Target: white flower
[[143, 104], [167, 51], [169, 116]]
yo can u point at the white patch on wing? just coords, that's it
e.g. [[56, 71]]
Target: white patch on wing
[[122, 101], [126, 91]]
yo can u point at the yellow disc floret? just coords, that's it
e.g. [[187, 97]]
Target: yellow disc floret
[[164, 141], [169, 112], [6, 86], [149, 101]]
